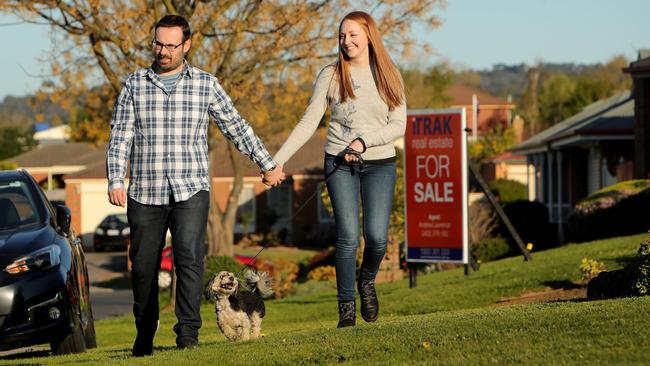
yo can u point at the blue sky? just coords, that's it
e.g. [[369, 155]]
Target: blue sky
[[475, 34]]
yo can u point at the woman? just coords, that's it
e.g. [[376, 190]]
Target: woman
[[365, 94]]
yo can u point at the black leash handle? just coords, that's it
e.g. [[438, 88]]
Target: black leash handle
[[357, 154]]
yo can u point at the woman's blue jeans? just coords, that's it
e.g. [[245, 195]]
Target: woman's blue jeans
[[375, 185]]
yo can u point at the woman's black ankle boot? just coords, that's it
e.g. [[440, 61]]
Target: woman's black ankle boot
[[369, 302], [347, 314]]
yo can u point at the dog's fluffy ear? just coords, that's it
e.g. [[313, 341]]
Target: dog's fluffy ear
[[209, 293]]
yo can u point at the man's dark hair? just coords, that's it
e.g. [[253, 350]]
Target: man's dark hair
[[169, 21]]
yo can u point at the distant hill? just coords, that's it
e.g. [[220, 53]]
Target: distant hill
[[19, 110], [503, 80]]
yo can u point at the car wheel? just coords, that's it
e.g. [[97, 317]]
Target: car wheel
[[89, 336], [74, 342], [164, 279]]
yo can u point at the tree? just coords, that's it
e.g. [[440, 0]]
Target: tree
[[529, 103], [254, 48], [15, 140], [493, 142], [427, 89], [562, 96], [555, 92]]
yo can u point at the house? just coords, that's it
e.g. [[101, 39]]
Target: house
[[582, 154], [511, 167], [48, 164], [52, 135], [488, 110]]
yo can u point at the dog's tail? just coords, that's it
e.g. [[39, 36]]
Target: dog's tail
[[259, 283]]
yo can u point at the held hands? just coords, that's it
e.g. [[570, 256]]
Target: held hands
[[355, 145], [117, 197], [273, 177]]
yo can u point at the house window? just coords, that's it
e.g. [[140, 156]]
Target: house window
[[323, 215], [245, 217], [279, 206]]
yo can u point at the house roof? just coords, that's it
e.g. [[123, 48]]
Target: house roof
[[462, 95], [509, 157], [611, 118], [72, 154], [642, 65]]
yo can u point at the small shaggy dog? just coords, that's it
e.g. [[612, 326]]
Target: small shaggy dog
[[239, 313]]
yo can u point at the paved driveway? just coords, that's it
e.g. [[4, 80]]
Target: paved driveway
[[109, 291]]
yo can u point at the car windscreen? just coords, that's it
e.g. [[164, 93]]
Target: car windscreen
[[17, 205]]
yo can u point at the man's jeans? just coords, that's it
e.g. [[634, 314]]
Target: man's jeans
[[376, 184], [186, 221]]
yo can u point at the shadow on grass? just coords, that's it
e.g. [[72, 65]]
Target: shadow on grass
[[319, 300], [626, 260], [30, 353], [576, 300], [561, 285]]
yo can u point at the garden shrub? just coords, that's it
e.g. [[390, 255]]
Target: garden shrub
[[624, 217], [508, 190], [611, 195], [482, 221], [589, 269], [642, 278], [633, 280], [322, 273], [530, 219], [491, 249]]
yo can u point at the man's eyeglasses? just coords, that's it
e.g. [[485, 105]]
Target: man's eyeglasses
[[170, 47]]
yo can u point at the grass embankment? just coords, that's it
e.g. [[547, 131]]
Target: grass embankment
[[447, 319]]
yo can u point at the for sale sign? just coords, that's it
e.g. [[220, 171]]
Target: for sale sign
[[435, 178]]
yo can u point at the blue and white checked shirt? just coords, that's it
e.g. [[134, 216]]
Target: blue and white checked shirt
[[165, 135]]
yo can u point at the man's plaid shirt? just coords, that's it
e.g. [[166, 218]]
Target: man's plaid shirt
[[165, 135]]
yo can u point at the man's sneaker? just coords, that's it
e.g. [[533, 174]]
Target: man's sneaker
[[187, 343], [347, 314], [369, 302]]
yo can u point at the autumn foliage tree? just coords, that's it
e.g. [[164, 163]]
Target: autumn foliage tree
[[262, 52]]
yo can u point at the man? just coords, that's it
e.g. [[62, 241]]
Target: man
[[160, 122]]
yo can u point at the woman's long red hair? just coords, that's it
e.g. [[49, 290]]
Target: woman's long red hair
[[387, 76]]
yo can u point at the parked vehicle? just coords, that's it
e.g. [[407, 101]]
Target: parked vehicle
[[112, 233], [44, 288], [166, 265]]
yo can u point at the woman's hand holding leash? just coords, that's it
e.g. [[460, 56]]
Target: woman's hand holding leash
[[352, 153], [354, 150]]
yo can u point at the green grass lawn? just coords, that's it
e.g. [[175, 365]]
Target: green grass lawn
[[448, 319]]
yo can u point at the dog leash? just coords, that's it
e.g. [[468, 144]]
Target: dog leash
[[353, 163]]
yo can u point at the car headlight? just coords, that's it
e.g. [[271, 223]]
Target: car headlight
[[99, 231], [126, 231], [38, 260]]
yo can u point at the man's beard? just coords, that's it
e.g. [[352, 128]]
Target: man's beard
[[168, 66]]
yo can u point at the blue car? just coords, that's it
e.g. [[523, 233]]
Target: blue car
[[44, 287]]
